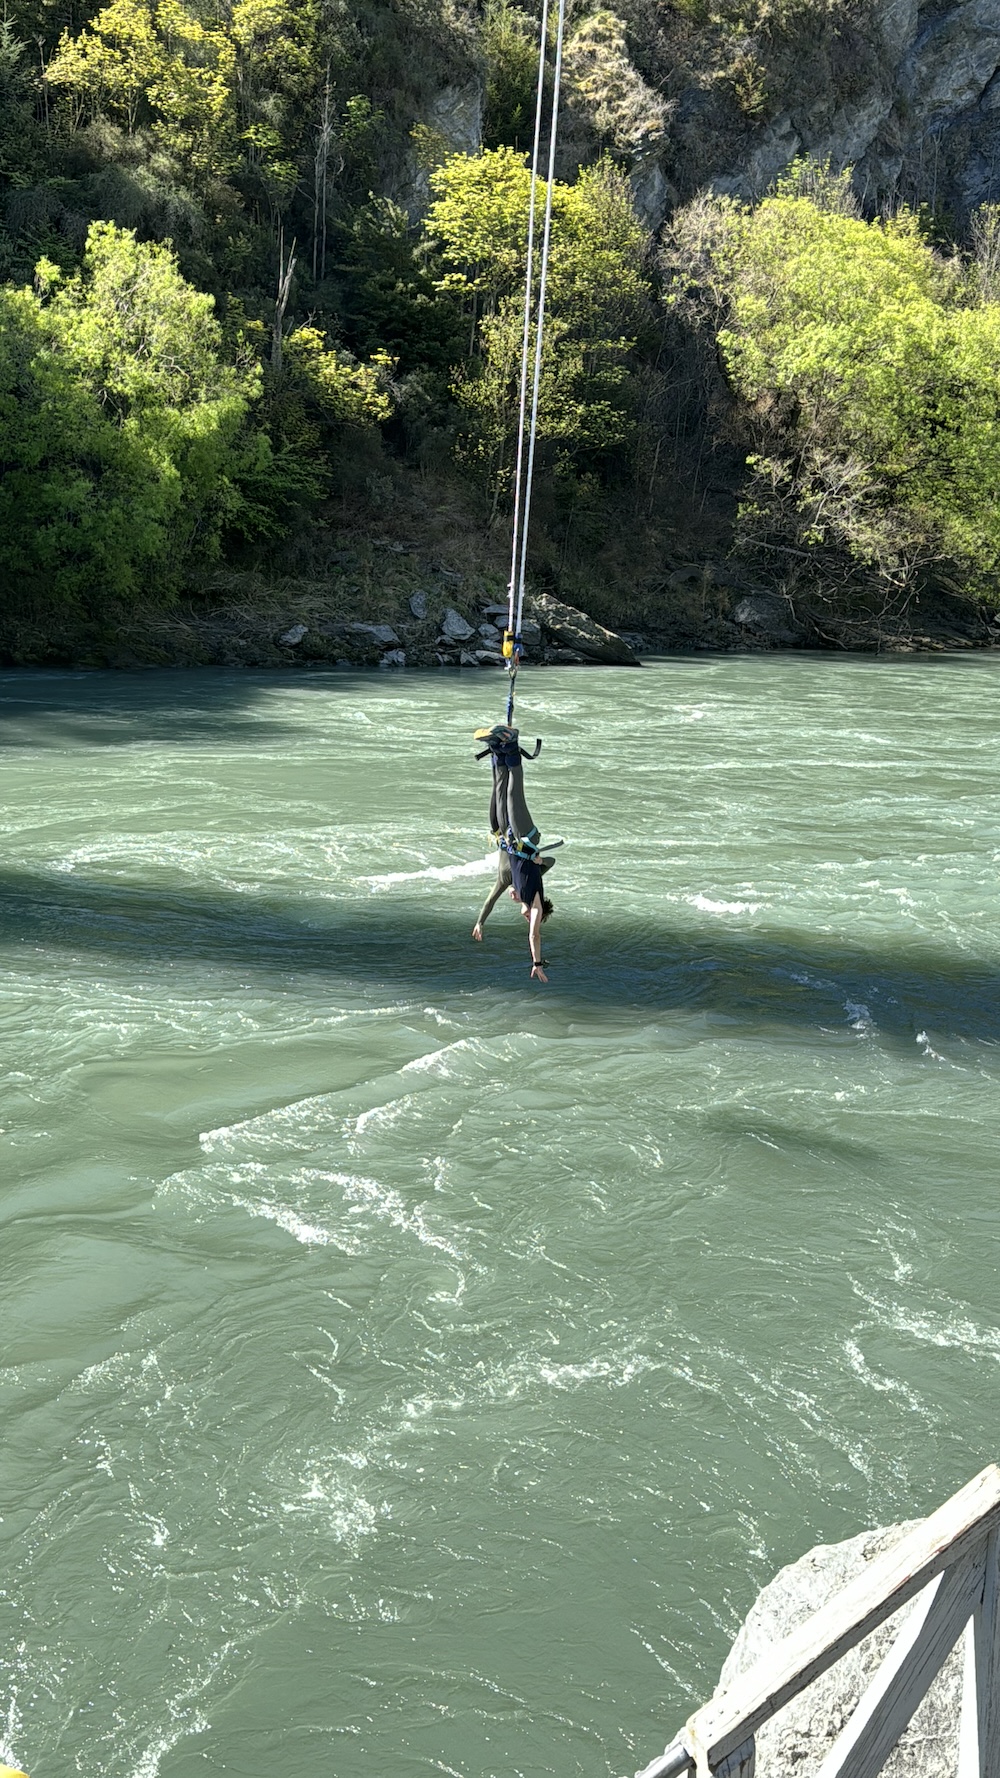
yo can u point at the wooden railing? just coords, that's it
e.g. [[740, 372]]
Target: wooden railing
[[952, 1560]]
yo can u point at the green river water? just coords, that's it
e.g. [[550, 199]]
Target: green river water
[[406, 1368]]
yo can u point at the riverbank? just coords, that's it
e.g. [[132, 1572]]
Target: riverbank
[[381, 603]]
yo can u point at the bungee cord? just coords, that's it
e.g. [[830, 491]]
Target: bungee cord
[[526, 328], [524, 474]]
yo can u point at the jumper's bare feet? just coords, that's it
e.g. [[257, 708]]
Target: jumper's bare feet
[[477, 933]]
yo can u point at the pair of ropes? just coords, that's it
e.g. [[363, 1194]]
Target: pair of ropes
[[525, 461]]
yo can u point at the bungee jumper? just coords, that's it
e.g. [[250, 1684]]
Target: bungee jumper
[[521, 863], [511, 823]]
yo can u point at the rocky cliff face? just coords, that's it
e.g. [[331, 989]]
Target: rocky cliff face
[[916, 111], [906, 94]]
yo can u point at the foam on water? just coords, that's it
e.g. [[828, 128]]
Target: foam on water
[[448, 873], [707, 906]]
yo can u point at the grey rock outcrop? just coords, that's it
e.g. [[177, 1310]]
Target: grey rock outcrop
[[652, 193], [453, 122], [795, 1740], [454, 627], [767, 616], [457, 115], [915, 111], [572, 632], [771, 155]]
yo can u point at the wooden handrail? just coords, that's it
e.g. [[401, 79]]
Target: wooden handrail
[[723, 1726]]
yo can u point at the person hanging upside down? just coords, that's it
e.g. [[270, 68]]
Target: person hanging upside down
[[503, 881], [519, 838]]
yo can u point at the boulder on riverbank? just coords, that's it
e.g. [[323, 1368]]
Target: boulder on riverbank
[[795, 1741], [571, 631]]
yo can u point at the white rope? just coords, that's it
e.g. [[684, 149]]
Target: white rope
[[524, 508], [526, 332], [540, 322]]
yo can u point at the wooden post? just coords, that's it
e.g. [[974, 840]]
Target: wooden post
[[979, 1738], [908, 1671], [740, 1764]]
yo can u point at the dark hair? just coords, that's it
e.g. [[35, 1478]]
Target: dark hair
[[546, 908]]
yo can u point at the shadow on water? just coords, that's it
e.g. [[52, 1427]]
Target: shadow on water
[[186, 706], [412, 945], [57, 708]]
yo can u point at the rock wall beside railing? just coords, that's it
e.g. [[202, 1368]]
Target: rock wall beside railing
[[793, 1743]]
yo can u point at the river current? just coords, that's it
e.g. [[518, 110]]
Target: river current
[[409, 1368]]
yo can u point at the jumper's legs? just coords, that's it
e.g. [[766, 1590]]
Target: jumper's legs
[[509, 812]]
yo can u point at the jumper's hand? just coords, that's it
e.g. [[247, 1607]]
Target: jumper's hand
[[513, 894], [477, 933], [538, 973]]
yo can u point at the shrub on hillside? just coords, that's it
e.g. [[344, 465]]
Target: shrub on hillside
[[870, 366], [122, 427]]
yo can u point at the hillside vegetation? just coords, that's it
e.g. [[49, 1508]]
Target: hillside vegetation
[[261, 268]]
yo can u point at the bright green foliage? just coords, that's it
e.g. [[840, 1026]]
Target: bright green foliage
[[154, 58], [118, 423], [80, 509], [275, 67], [869, 346], [597, 302], [480, 220], [347, 393]]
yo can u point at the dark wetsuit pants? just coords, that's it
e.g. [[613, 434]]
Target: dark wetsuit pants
[[508, 808]]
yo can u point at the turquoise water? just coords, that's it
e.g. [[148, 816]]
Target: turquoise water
[[407, 1366]]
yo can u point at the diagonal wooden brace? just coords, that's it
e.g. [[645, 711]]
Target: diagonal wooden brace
[[908, 1671]]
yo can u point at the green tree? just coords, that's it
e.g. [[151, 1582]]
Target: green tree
[[598, 307], [874, 373], [344, 392], [153, 61], [275, 45], [18, 134], [510, 45], [388, 297], [111, 65], [121, 426]]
